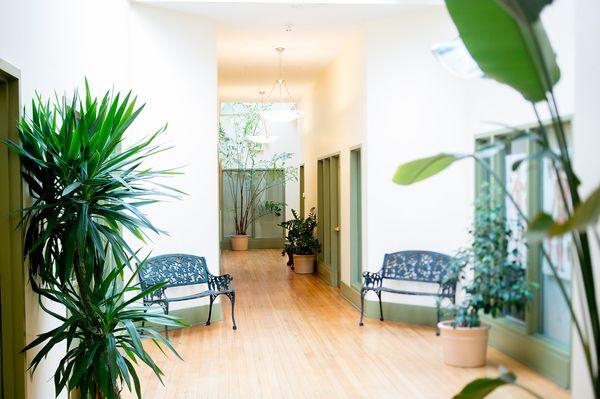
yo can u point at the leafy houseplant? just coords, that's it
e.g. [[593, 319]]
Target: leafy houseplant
[[301, 245], [508, 41], [247, 176], [86, 187], [495, 285]]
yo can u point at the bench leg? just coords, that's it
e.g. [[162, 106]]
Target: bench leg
[[165, 307], [437, 329], [212, 299], [145, 311], [362, 307], [232, 299], [380, 306]]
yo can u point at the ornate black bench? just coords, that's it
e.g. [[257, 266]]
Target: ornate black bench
[[182, 270], [420, 266]]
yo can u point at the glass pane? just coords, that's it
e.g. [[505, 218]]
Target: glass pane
[[231, 197], [556, 323], [517, 183], [271, 188]]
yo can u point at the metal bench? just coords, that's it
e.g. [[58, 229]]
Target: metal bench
[[183, 270], [418, 266]]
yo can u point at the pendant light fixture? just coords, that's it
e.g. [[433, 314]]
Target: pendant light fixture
[[262, 137], [281, 115]]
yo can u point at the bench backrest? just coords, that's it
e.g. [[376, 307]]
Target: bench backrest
[[177, 269], [424, 266]]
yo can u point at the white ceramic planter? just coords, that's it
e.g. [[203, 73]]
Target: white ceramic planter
[[463, 346]]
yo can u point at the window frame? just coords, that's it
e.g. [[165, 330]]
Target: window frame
[[254, 242], [545, 355]]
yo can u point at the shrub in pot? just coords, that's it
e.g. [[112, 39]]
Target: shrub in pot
[[493, 271], [301, 245]]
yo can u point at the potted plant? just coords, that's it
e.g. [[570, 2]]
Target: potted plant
[[301, 245], [487, 28], [87, 186], [248, 175], [495, 285]]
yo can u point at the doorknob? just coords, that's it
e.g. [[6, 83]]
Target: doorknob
[[336, 228]]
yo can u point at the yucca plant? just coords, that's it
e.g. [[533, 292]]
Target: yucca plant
[[86, 187]]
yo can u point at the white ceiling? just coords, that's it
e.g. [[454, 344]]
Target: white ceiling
[[248, 32]]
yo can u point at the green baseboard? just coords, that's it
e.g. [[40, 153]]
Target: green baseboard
[[195, 316], [324, 271], [533, 350], [405, 313], [351, 294], [256, 243]]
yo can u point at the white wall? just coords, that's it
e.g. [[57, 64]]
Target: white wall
[[586, 141], [174, 71], [334, 122], [415, 109], [168, 59], [55, 44]]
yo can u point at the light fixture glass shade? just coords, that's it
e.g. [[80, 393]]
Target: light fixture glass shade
[[280, 115], [262, 139], [455, 57]]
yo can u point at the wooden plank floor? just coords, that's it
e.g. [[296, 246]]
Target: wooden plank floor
[[298, 338]]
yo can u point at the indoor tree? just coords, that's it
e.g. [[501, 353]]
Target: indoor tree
[[508, 41], [250, 176], [87, 186]]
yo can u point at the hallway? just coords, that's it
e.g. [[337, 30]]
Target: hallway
[[298, 338]]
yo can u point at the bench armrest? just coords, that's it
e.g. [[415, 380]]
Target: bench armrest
[[372, 279], [219, 283]]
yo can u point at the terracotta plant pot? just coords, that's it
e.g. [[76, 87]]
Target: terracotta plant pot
[[464, 346], [239, 243], [304, 264]]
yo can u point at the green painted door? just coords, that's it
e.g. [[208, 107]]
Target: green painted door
[[328, 177], [12, 282]]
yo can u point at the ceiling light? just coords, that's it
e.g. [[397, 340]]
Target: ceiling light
[[262, 138], [455, 57], [281, 115]]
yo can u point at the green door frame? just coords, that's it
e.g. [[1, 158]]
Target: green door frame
[[302, 203], [12, 273], [355, 218], [328, 193]]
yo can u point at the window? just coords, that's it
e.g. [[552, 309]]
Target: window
[[534, 187], [271, 188]]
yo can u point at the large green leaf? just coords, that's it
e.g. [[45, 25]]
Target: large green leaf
[[482, 387], [586, 214], [539, 226], [421, 169], [525, 10], [512, 51]]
